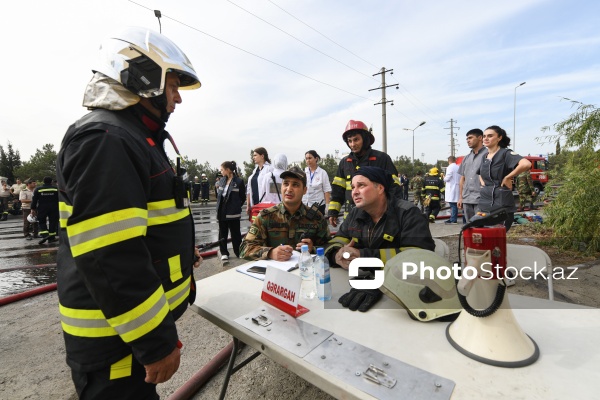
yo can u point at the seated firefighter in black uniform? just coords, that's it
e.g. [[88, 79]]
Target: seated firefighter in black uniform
[[380, 225]]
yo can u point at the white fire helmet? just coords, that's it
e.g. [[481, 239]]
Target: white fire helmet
[[32, 219], [424, 299], [140, 58]]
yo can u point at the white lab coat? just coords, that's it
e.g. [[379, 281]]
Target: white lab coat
[[452, 180]]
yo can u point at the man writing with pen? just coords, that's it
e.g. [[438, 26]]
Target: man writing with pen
[[280, 229]]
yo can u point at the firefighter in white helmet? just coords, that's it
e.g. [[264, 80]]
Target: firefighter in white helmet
[[126, 256]]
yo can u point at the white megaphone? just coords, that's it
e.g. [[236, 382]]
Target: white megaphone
[[486, 330]]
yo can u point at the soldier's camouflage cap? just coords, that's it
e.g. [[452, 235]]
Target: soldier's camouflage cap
[[294, 172]]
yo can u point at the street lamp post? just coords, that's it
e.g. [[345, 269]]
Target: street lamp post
[[413, 135], [515, 117]]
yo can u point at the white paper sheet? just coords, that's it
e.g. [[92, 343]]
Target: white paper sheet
[[288, 265]]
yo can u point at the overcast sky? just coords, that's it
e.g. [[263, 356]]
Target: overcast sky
[[291, 83]]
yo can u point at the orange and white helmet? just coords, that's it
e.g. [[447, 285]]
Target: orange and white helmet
[[358, 127]]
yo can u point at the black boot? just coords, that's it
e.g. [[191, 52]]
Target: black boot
[[43, 240]]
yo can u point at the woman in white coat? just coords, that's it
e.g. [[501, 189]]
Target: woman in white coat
[[256, 180], [317, 182]]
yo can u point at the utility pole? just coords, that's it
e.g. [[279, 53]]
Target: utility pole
[[383, 102], [452, 143]]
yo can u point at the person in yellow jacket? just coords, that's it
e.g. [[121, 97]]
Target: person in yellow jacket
[[433, 187], [126, 256]]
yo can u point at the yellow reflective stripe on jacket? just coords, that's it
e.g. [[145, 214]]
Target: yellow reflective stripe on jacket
[[142, 319], [334, 205], [107, 229], [432, 187], [387, 254], [164, 212], [396, 179], [340, 239], [349, 185], [85, 323], [175, 268], [336, 242], [179, 294], [48, 190], [122, 368], [339, 181], [93, 323], [64, 213]]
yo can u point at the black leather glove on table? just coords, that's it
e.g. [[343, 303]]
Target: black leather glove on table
[[360, 299]]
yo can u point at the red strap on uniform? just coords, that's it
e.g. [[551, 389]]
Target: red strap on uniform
[[150, 142], [372, 158], [179, 344]]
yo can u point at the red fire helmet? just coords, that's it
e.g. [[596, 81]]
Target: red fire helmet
[[353, 125]]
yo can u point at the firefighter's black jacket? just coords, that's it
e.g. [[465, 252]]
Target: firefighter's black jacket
[[402, 226], [44, 198], [341, 190], [126, 253], [433, 185]]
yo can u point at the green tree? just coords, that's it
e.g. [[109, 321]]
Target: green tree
[[41, 164], [574, 214], [404, 165], [10, 161], [330, 165], [248, 167]]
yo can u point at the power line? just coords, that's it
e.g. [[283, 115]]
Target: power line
[[255, 55], [326, 37], [299, 40]]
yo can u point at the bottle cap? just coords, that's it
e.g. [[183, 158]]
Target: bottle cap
[[304, 247], [320, 251]]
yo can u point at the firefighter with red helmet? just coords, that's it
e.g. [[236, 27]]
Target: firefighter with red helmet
[[125, 259], [359, 139]]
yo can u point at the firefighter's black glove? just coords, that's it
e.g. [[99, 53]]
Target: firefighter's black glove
[[360, 299]]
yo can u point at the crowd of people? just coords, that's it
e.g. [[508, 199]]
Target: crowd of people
[[38, 206], [126, 258]]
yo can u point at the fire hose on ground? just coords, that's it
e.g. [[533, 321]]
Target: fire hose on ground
[[197, 381]]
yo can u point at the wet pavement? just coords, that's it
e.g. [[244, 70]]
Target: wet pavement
[[25, 264]]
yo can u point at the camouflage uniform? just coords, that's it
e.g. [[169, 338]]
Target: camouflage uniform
[[526, 190], [417, 185], [275, 226]]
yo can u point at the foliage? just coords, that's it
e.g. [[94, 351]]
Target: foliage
[[558, 162], [193, 168], [41, 164], [574, 214], [10, 161], [404, 165], [248, 167]]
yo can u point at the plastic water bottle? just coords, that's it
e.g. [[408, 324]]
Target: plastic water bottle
[[322, 275], [308, 289]]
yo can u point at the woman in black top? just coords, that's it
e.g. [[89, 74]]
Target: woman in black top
[[230, 198], [496, 173]]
